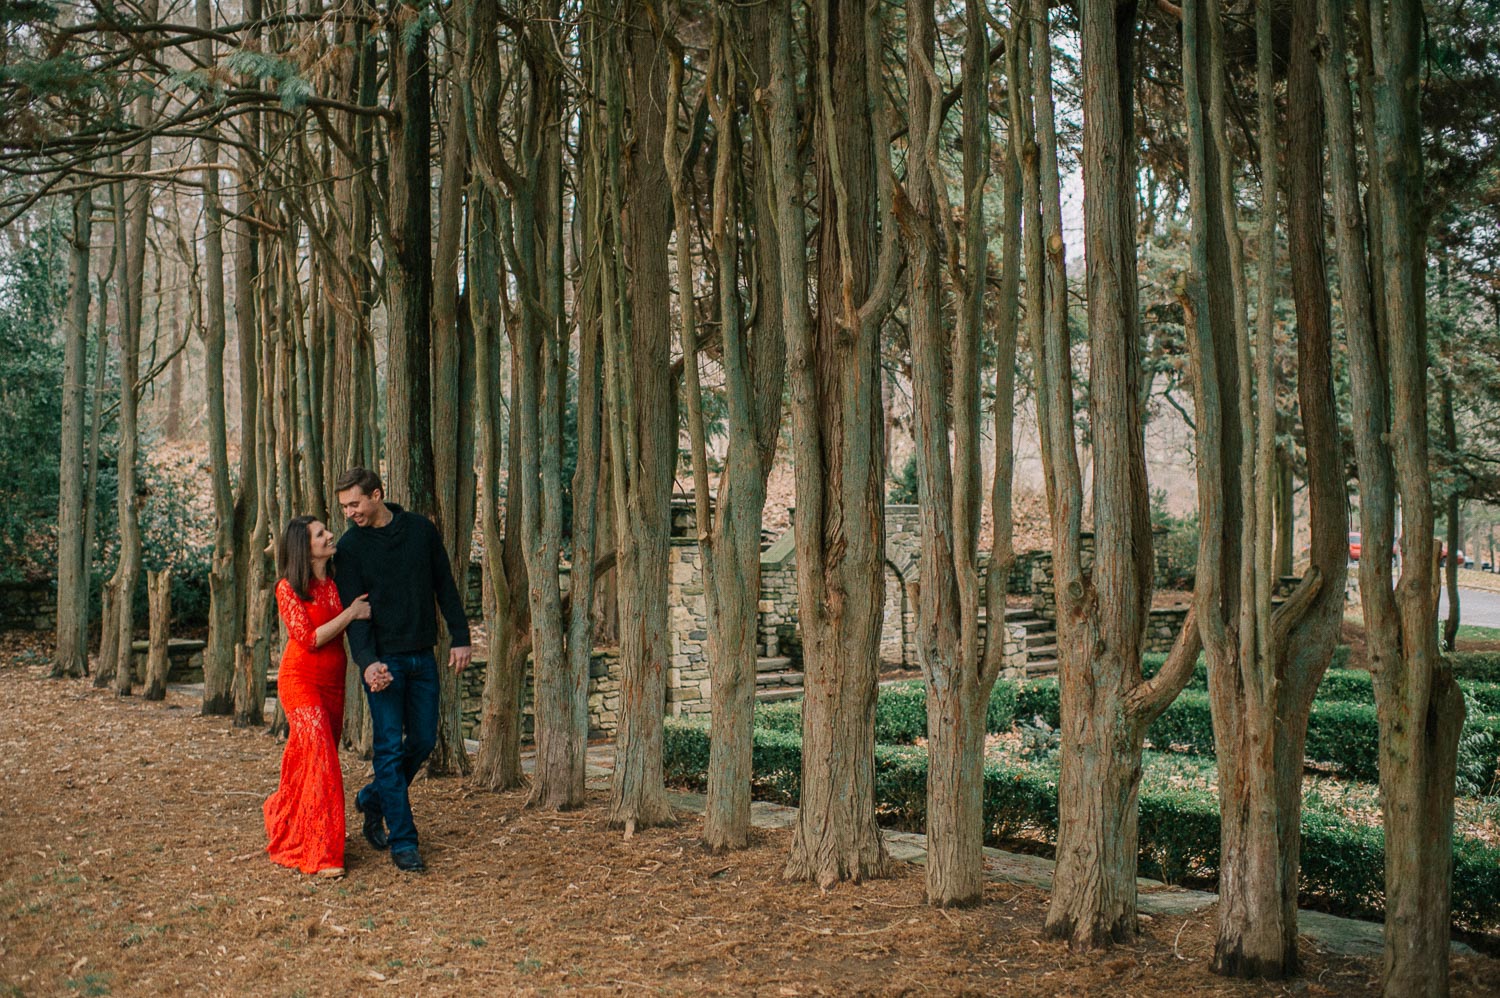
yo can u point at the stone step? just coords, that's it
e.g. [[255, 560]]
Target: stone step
[[1040, 652], [779, 679], [772, 664], [1040, 639], [1039, 667], [776, 693]]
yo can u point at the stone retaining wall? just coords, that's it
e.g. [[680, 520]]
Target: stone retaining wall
[[604, 696], [1162, 627], [28, 606]]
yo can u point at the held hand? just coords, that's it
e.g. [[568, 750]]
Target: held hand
[[377, 676], [360, 608], [458, 658]]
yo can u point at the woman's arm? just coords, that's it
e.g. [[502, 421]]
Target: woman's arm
[[358, 610]]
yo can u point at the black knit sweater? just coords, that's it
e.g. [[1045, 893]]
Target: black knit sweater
[[403, 568]]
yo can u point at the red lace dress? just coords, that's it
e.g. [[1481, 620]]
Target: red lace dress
[[305, 816]]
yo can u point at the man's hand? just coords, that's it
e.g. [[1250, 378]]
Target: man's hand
[[377, 676], [458, 658]]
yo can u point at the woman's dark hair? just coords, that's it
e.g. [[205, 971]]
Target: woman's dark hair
[[295, 555]]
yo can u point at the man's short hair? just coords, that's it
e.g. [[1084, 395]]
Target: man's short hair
[[363, 479]]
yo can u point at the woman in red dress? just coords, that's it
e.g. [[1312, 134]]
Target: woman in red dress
[[305, 816]]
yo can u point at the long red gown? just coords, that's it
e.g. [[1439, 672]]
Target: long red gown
[[305, 816]]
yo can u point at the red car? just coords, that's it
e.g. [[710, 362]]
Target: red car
[[1354, 547]]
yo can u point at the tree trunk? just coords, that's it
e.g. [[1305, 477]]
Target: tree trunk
[[409, 460], [1106, 706], [71, 656], [225, 618], [452, 417], [1418, 705], [644, 413], [91, 491], [837, 432], [1286, 514], [1455, 531], [729, 535], [497, 766], [109, 637], [159, 596], [133, 265], [948, 483]]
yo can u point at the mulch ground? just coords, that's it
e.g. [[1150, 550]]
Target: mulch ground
[[131, 863]]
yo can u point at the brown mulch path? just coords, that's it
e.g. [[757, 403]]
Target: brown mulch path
[[131, 863]]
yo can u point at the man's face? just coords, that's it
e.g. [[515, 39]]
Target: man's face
[[359, 506]]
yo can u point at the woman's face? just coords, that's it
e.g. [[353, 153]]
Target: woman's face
[[321, 539]]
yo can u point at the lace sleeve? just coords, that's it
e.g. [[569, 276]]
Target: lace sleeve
[[299, 625]]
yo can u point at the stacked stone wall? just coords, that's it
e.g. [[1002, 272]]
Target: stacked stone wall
[[604, 696], [28, 606]]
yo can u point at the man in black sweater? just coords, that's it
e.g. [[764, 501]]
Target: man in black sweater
[[397, 558]]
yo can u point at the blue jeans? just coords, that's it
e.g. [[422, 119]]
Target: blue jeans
[[404, 716]]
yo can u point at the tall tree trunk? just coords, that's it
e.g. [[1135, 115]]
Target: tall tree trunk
[[644, 412], [1418, 705], [837, 433], [452, 414], [133, 299], [91, 492], [1455, 533], [71, 655], [408, 453], [948, 482], [497, 766], [1264, 667], [224, 613], [1106, 707], [729, 535]]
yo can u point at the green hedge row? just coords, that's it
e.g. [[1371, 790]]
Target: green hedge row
[[1341, 733], [1343, 865], [1355, 686], [1152, 662], [1482, 666]]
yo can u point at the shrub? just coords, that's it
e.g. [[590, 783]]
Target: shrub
[[1483, 666], [903, 490], [1343, 864], [1342, 732], [1176, 545], [783, 716], [901, 713], [1039, 699]]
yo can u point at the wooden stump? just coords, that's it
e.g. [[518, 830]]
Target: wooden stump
[[109, 639], [159, 596]]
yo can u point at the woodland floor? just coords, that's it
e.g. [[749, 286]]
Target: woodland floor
[[131, 864]]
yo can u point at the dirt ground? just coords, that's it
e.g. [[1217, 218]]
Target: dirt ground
[[131, 863]]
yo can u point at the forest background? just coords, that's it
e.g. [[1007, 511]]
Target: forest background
[[549, 264]]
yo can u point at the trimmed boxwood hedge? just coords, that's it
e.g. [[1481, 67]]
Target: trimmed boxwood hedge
[[1343, 864], [1151, 664], [1483, 666], [1342, 733]]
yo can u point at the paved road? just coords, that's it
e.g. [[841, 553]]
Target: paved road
[[1475, 606]]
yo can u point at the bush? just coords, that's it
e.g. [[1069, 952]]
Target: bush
[[1355, 686], [1176, 545], [1483, 666], [903, 490], [1039, 699], [1151, 664], [1343, 864], [901, 713], [1342, 732]]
